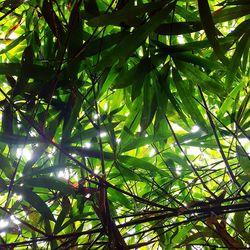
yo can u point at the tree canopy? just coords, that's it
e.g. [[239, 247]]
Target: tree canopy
[[124, 124]]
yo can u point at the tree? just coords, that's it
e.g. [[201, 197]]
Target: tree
[[124, 124]]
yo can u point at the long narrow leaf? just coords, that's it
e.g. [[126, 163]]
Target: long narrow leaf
[[35, 201], [208, 25]]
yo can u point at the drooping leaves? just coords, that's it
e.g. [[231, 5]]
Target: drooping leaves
[[117, 120]]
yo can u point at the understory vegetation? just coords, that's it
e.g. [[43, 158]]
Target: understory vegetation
[[124, 124]]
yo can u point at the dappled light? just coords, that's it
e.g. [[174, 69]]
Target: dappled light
[[124, 124]]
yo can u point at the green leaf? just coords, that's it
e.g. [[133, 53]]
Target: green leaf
[[116, 196], [125, 173], [163, 95], [134, 76], [245, 57], [231, 13], [18, 139], [126, 14], [101, 44], [135, 142], [190, 46], [243, 159], [131, 122], [131, 42], [3, 185], [196, 60], [187, 15], [149, 104], [35, 201], [187, 99], [36, 155], [66, 206], [52, 20], [49, 183], [15, 43], [200, 235], [75, 218], [210, 30], [245, 177], [179, 28], [91, 152], [227, 104], [35, 71], [137, 163], [182, 233], [91, 7], [71, 114], [109, 78], [236, 59], [74, 41], [176, 158], [6, 167], [7, 120], [137, 69], [200, 78], [240, 224], [88, 134]]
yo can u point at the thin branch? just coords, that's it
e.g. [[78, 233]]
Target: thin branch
[[230, 172]]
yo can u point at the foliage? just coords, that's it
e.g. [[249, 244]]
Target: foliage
[[124, 124]]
